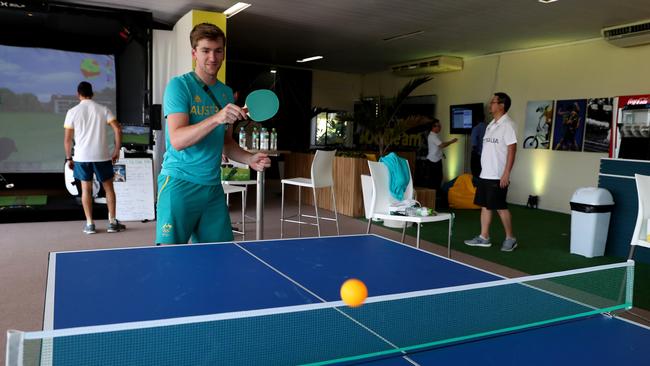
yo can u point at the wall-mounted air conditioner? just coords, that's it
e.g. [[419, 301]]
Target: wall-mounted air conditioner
[[429, 66], [628, 35]]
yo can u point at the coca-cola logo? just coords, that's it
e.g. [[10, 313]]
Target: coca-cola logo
[[637, 101]]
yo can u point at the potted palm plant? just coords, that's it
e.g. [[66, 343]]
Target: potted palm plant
[[381, 117]]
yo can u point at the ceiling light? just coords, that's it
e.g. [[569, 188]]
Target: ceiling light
[[310, 59], [547, 1], [273, 71], [235, 9], [405, 35]]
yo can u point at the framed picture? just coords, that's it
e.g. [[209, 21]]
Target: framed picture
[[539, 124], [569, 124], [598, 126], [119, 173]]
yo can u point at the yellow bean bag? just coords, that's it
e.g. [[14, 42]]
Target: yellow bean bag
[[461, 194]]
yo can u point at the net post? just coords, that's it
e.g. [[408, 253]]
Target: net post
[[15, 343]]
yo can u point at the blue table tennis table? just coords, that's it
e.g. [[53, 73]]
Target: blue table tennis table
[[104, 287]]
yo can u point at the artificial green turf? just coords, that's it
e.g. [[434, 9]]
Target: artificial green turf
[[543, 239]]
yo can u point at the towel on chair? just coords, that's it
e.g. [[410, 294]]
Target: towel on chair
[[398, 171]]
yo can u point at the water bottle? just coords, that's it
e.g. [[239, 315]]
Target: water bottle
[[274, 139], [264, 139], [255, 140], [242, 138]]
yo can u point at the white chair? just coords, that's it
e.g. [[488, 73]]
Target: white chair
[[321, 177], [381, 200], [639, 237], [227, 190]]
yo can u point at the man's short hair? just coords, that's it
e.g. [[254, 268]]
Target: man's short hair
[[206, 31], [435, 122], [85, 89], [505, 100]]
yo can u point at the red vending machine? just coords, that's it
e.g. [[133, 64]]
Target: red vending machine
[[631, 137]]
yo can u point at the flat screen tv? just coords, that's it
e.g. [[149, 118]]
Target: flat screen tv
[[136, 137], [465, 116]]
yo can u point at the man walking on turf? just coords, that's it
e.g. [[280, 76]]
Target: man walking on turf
[[497, 160]]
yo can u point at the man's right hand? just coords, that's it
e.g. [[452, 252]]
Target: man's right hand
[[230, 114], [71, 164], [115, 157]]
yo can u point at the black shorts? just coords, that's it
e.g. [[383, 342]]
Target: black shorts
[[490, 195]]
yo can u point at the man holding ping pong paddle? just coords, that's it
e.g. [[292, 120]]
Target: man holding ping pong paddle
[[199, 111]]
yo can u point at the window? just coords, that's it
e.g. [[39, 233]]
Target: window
[[331, 128]]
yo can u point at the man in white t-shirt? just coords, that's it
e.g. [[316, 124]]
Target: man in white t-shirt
[[435, 155], [86, 125], [497, 160]]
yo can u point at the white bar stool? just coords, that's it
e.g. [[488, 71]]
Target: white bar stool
[[321, 177]]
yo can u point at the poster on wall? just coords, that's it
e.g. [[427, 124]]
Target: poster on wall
[[569, 124], [630, 131], [539, 124], [598, 124]]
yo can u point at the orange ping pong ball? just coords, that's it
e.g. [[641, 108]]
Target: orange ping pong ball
[[353, 292]]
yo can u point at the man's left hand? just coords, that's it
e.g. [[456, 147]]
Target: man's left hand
[[505, 181], [259, 162]]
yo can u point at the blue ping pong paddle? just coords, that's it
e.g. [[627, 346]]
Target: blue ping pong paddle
[[261, 105]]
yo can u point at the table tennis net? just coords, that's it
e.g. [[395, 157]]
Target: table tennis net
[[329, 333]]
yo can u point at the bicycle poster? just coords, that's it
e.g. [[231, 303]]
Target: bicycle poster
[[539, 124]]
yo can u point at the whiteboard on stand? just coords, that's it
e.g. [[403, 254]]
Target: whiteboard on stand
[[134, 190]]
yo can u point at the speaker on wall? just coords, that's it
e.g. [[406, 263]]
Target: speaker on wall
[[155, 117]]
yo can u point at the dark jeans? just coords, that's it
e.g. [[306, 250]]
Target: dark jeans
[[434, 174], [475, 164]]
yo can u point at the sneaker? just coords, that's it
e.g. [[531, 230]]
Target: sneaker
[[478, 241], [116, 227], [89, 229], [509, 245]]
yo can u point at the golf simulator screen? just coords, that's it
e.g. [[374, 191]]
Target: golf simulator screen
[[37, 87]]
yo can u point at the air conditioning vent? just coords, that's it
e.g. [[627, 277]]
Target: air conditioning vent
[[27, 6], [429, 66], [628, 35]]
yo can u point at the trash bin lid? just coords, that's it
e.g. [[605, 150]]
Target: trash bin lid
[[592, 196]]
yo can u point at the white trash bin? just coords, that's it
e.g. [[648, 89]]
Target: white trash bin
[[591, 209]]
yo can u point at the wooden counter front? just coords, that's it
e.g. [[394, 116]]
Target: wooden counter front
[[347, 182]]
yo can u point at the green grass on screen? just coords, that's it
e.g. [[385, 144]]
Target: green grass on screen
[[23, 200]]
